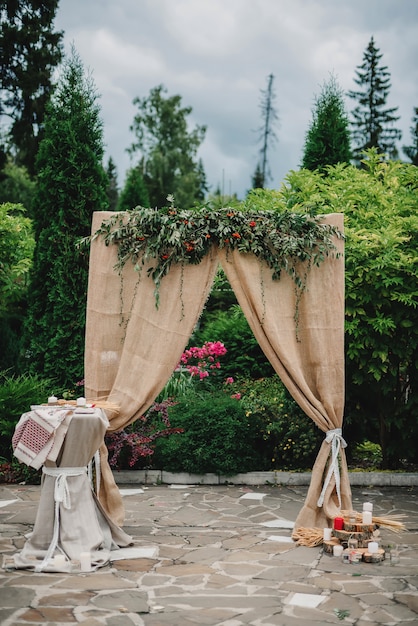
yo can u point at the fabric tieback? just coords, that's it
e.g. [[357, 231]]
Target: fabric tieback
[[335, 438], [61, 496]]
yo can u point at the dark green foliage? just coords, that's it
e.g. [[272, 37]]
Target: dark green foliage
[[30, 51], [71, 185], [16, 186], [292, 439], [412, 151], [372, 119], [112, 190], [328, 138], [380, 206], [218, 437], [17, 394], [244, 357], [168, 149], [134, 192]]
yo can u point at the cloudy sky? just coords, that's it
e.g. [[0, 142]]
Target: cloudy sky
[[217, 55]]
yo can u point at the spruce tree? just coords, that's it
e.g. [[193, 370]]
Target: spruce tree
[[72, 184], [372, 120], [328, 138], [112, 190], [412, 151], [267, 135], [30, 52], [134, 192]]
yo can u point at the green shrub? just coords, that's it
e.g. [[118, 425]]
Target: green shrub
[[291, 438], [218, 437], [244, 356], [17, 393]]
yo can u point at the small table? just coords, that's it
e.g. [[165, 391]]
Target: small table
[[70, 524]]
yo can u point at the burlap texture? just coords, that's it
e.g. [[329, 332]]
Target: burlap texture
[[132, 347]]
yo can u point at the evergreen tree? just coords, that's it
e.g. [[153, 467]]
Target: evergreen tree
[[134, 192], [267, 135], [72, 183], [372, 120], [168, 149], [30, 51], [258, 178], [412, 151], [112, 190], [328, 138]]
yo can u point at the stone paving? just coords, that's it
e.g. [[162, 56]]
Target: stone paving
[[215, 556]]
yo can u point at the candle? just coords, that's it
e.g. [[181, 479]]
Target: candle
[[368, 506], [337, 550], [81, 402], [372, 547], [339, 523], [327, 534], [85, 561], [59, 560], [52, 400], [367, 517]]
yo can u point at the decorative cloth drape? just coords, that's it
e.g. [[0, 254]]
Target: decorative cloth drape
[[128, 362], [70, 520], [132, 348], [308, 355]]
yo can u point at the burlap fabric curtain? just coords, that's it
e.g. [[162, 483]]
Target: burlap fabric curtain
[[132, 348], [308, 355]]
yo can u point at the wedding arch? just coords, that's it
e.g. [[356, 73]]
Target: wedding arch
[[143, 304]]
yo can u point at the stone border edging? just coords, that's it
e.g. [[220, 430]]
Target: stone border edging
[[357, 479]]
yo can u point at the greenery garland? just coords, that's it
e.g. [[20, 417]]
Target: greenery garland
[[285, 241]]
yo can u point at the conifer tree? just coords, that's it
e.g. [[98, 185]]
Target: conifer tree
[[412, 151], [328, 138], [112, 190], [372, 120], [267, 135], [134, 192], [30, 52], [72, 183]]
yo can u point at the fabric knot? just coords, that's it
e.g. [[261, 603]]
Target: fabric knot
[[335, 438]]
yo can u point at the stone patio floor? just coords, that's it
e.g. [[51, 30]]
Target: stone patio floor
[[215, 556]]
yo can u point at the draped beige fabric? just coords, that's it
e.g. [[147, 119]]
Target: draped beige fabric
[[129, 363], [308, 356]]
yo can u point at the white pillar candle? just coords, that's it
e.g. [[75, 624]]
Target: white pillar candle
[[367, 517], [85, 561], [337, 550], [368, 506], [59, 560], [52, 400], [81, 402], [327, 534], [372, 547]]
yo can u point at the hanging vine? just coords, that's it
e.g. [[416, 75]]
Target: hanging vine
[[285, 241]]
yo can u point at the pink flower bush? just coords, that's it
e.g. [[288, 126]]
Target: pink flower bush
[[199, 361]]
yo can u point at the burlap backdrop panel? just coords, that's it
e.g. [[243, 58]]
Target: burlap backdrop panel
[[308, 356], [131, 347]]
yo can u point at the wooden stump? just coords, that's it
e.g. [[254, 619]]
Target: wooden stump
[[329, 544], [375, 557], [363, 537]]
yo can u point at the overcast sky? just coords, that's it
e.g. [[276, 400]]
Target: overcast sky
[[217, 55]]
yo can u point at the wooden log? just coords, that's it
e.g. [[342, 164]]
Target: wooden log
[[375, 557], [362, 537], [359, 528], [329, 544]]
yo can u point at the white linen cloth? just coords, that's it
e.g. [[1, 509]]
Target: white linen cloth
[[75, 523]]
